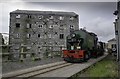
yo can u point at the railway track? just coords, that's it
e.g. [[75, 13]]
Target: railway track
[[52, 70], [31, 73]]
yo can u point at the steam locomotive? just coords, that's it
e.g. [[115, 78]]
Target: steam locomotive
[[81, 46]]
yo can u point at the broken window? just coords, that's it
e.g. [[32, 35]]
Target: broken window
[[40, 26], [51, 17], [56, 43], [38, 35], [45, 33], [56, 23], [40, 17], [61, 18], [71, 18], [44, 42], [61, 36], [39, 47], [36, 22], [29, 16], [44, 23], [47, 19], [28, 25], [28, 47], [76, 16], [71, 26], [18, 35], [18, 16], [51, 26], [28, 35], [17, 25], [61, 27], [56, 33]]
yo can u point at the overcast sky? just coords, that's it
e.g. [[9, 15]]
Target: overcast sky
[[97, 17]]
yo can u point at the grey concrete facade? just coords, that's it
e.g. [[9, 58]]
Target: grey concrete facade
[[1, 37], [40, 32], [117, 29]]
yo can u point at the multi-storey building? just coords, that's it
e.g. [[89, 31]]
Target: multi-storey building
[[1, 39], [40, 33], [111, 44], [1, 42]]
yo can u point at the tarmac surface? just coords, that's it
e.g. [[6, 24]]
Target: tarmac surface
[[13, 66], [72, 69]]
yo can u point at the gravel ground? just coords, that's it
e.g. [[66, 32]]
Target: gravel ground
[[12, 66]]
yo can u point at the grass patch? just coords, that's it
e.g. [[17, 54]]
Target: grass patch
[[104, 68], [107, 67]]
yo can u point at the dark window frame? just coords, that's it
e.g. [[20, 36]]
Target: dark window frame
[[61, 36], [17, 25], [40, 26], [29, 16], [56, 33], [38, 35], [30, 25]]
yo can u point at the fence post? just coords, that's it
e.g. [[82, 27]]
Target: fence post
[[21, 55]]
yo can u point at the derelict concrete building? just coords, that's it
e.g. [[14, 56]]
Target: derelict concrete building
[[40, 33]]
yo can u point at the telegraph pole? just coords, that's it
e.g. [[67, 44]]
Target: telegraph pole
[[117, 30], [118, 7]]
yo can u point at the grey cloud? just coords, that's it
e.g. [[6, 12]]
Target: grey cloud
[[88, 14], [70, 1], [102, 27]]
